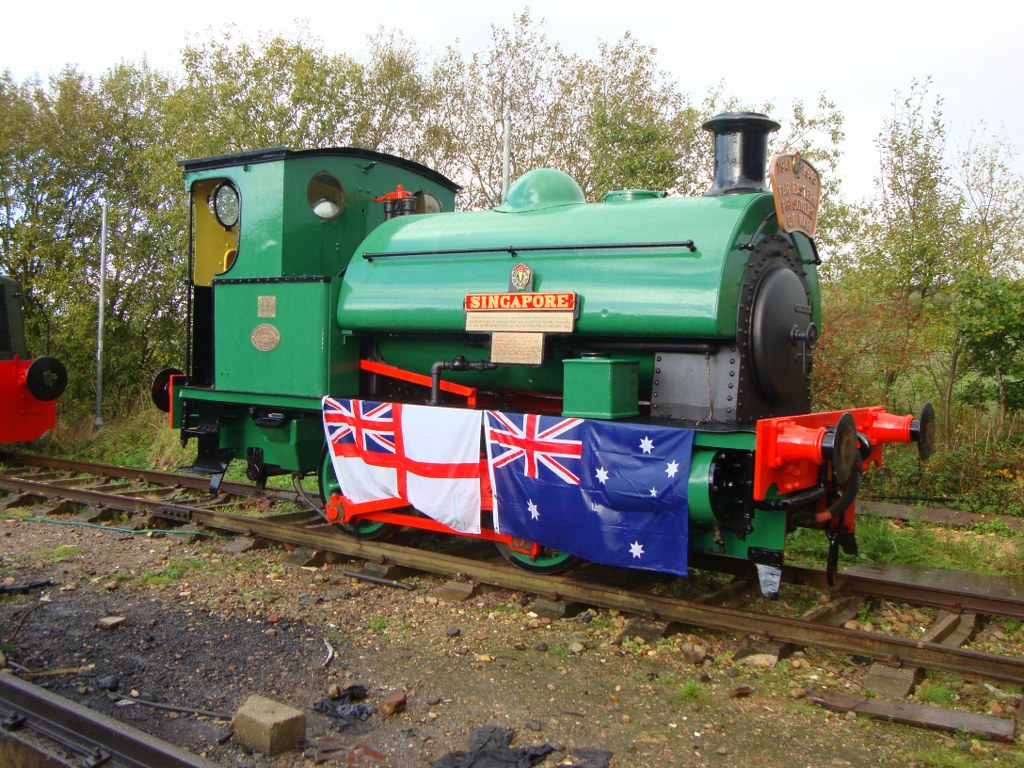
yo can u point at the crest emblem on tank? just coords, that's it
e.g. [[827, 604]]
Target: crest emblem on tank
[[265, 337], [521, 277]]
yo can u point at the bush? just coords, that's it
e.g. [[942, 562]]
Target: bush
[[983, 478]]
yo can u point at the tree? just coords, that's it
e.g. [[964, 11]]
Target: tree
[[238, 95], [909, 247], [989, 317], [524, 75], [68, 145], [641, 131]]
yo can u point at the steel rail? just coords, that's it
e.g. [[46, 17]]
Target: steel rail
[[893, 650], [96, 736], [967, 596], [191, 482]]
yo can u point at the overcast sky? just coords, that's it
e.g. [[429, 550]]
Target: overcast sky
[[858, 53]]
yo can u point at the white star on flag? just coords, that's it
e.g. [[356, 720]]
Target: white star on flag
[[602, 475], [646, 445], [654, 492], [636, 549], [532, 509], [672, 468]]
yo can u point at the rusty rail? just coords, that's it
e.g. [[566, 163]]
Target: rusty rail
[[894, 650]]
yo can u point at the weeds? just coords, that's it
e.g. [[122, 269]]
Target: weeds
[[933, 693], [983, 477], [913, 543], [944, 758], [58, 555], [172, 572], [690, 691]]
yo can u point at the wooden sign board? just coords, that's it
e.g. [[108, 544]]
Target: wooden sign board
[[796, 187]]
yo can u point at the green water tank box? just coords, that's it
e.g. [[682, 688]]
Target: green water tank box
[[600, 388], [278, 336]]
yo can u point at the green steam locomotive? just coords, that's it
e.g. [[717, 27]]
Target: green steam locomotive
[[622, 381]]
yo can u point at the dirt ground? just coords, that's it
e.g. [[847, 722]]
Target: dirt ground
[[206, 628]]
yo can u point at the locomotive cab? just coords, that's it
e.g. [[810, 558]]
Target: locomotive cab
[[271, 235]]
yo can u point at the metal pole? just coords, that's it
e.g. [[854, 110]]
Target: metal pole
[[506, 157], [98, 421]]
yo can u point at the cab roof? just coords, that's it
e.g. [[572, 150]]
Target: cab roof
[[276, 154]]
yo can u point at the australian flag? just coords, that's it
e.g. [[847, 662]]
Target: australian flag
[[613, 493]]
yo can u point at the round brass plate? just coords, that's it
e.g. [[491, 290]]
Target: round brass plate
[[265, 337]]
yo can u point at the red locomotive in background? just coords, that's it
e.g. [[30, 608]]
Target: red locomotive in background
[[28, 388]]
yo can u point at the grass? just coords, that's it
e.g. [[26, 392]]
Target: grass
[[175, 569], [140, 437], [945, 758], [914, 543], [934, 693], [981, 475], [690, 691], [59, 554]]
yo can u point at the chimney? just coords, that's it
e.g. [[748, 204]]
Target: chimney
[[741, 152]]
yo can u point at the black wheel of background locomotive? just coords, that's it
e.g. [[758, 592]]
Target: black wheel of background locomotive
[[548, 561], [46, 378], [160, 389], [369, 530]]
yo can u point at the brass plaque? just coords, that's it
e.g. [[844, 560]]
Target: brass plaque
[[796, 187], [265, 337], [521, 322], [517, 348], [266, 306]]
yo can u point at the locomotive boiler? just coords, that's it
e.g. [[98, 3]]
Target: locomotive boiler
[[622, 381], [29, 388]]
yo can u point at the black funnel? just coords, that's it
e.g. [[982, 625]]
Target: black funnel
[[741, 151]]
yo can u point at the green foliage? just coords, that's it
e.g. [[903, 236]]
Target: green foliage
[[175, 569], [59, 554], [69, 144], [939, 757], [690, 691], [989, 316], [377, 624], [630, 646], [139, 437], [924, 301], [977, 476], [934, 693], [884, 541]]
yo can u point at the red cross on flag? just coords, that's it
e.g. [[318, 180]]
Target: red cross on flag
[[428, 457]]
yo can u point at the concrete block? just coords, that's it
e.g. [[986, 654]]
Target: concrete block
[[556, 609], [268, 726], [457, 591]]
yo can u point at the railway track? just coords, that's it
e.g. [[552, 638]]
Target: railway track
[[38, 728], [180, 498]]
